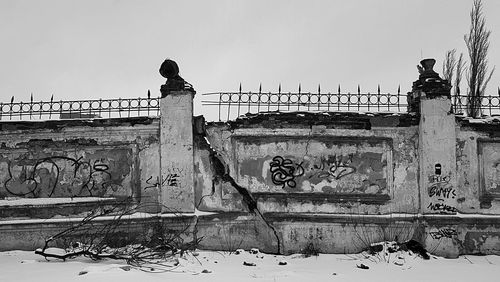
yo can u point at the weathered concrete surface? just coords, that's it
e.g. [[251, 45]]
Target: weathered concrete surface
[[44, 168], [31, 234], [76, 158], [235, 230], [451, 236], [478, 153], [371, 167], [437, 152], [176, 152], [340, 233]]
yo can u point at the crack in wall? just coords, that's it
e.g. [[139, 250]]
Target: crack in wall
[[309, 139], [221, 173]]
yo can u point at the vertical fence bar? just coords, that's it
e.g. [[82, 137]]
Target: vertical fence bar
[[229, 105]]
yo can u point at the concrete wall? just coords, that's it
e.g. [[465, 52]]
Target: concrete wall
[[478, 157], [278, 181], [78, 159], [296, 163], [316, 177]]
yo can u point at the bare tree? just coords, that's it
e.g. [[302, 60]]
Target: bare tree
[[453, 72], [459, 71], [449, 64], [477, 42]]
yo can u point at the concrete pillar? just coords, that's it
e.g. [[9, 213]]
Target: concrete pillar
[[437, 142], [176, 144], [176, 152]]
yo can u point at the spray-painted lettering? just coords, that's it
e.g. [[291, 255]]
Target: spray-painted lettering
[[58, 176], [443, 233]]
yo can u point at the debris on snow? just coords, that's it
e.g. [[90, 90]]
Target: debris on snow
[[206, 271], [249, 263], [362, 266]]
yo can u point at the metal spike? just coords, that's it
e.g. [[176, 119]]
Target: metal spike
[[149, 93], [359, 91], [12, 100], [260, 88], [279, 89], [498, 91], [240, 88], [319, 88], [399, 89], [458, 90], [300, 86], [339, 89], [52, 98], [378, 89], [31, 97]]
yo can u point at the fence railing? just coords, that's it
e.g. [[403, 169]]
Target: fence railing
[[234, 104], [80, 109], [488, 105]]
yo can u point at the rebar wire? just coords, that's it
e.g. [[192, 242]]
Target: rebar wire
[[80, 109]]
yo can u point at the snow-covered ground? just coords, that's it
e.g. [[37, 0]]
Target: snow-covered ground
[[222, 266]]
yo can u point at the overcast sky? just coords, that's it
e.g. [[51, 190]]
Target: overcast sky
[[111, 49]]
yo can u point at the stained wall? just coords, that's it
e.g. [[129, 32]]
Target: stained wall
[[79, 159], [314, 163]]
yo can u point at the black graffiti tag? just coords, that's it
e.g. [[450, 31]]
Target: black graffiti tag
[[443, 233], [442, 207], [335, 166], [440, 187], [284, 171], [46, 173], [172, 179]]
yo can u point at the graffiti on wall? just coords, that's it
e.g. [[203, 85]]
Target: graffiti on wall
[[362, 173], [63, 175], [285, 171], [323, 165], [171, 179], [441, 194], [443, 233]]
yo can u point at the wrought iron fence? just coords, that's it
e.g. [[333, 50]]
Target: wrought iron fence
[[488, 105], [234, 104], [80, 109]]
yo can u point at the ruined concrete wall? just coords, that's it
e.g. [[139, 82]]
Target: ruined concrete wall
[[478, 167], [77, 158], [337, 163]]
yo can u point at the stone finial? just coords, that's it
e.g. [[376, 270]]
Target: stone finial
[[429, 80], [428, 83], [426, 70], [170, 70]]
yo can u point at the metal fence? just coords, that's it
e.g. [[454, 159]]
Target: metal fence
[[488, 105], [80, 109], [234, 104]]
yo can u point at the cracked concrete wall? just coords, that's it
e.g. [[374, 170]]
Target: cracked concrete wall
[[362, 164], [78, 158]]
